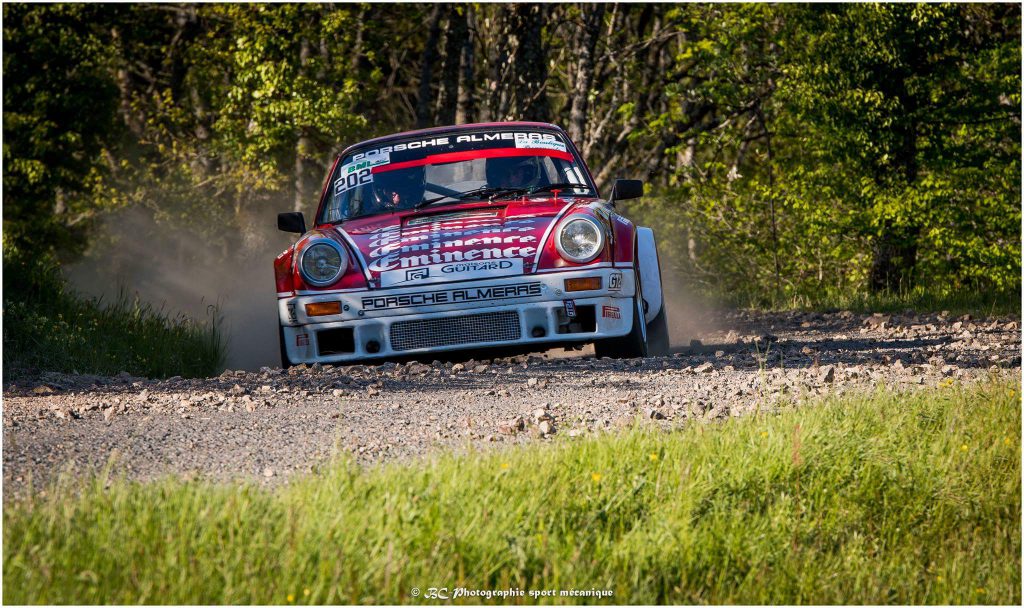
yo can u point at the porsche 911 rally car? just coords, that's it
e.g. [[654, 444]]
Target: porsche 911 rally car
[[485, 236]]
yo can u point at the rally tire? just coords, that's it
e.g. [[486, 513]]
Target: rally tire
[[657, 334], [285, 362]]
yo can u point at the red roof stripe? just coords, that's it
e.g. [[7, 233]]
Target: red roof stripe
[[453, 157]]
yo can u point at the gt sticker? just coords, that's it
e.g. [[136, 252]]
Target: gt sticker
[[358, 173], [615, 282], [302, 340], [570, 308], [610, 312]]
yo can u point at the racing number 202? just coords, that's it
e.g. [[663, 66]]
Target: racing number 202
[[356, 178]]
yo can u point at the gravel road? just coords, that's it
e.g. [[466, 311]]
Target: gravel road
[[270, 424]]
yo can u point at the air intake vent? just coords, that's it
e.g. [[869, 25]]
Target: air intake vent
[[454, 215], [451, 331]]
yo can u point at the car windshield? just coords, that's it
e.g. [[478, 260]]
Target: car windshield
[[459, 166]]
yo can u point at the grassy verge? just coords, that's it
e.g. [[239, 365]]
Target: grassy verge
[[977, 303], [49, 328], [877, 499]]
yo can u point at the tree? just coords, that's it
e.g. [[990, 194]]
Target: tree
[[891, 89], [59, 110]]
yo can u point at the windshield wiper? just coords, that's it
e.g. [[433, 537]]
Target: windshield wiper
[[481, 192], [545, 188]]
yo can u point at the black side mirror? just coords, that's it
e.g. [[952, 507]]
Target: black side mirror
[[291, 222], [626, 189]]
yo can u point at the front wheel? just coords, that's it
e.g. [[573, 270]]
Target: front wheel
[[633, 344], [285, 363], [657, 334]]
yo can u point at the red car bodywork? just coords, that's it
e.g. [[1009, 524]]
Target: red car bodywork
[[534, 217], [484, 265]]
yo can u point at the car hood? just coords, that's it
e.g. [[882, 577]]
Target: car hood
[[454, 242]]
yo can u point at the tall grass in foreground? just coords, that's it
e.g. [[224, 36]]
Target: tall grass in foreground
[[885, 498], [47, 327]]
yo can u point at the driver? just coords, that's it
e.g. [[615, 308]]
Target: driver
[[400, 189], [514, 172]]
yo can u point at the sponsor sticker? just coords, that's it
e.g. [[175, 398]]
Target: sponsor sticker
[[544, 144], [453, 296], [615, 281], [302, 340], [570, 308], [454, 271], [610, 312], [358, 173], [292, 317], [410, 145]]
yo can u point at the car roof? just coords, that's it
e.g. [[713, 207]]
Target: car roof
[[451, 128]]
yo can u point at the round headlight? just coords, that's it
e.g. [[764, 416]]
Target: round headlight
[[580, 239], [322, 262]]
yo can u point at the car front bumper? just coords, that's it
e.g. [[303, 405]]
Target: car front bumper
[[508, 312]]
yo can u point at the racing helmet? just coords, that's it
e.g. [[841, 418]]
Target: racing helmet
[[399, 189], [513, 172]]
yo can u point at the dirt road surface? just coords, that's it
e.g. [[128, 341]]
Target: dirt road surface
[[269, 425]]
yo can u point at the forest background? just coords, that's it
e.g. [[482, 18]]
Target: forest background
[[793, 154]]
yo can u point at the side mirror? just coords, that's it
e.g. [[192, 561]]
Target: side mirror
[[291, 222], [627, 188]]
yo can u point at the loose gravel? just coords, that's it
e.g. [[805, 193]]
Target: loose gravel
[[271, 424]]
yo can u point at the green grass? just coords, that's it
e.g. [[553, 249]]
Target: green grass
[[920, 299], [881, 498], [47, 327], [977, 303]]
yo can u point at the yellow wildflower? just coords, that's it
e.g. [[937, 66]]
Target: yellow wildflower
[[963, 448], [291, 598], [504, 465], [596, 477], [653, 457]]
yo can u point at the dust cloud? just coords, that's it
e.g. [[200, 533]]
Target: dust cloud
[[179, 271], [689, 317]]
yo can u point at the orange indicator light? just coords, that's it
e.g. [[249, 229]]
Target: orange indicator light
[[319, 309]]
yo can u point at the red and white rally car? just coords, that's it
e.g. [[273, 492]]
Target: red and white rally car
[[465, 238]]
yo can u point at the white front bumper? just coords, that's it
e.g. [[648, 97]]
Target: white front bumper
[[453, 313]]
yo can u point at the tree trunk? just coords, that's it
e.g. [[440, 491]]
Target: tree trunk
[[304, 145], [529, 64], [593, 14], [423, 105], [499, 62], [894, 254], [454, 40], [466, 107]]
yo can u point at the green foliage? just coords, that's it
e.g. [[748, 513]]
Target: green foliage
[[59, 109], [869, 147], [794, 149], [48, 328], [877, 499]]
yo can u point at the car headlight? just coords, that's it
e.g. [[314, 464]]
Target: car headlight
[[322, 262], [580, 239]]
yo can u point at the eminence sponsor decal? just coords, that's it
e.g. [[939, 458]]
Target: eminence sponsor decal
[[453, 296]]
